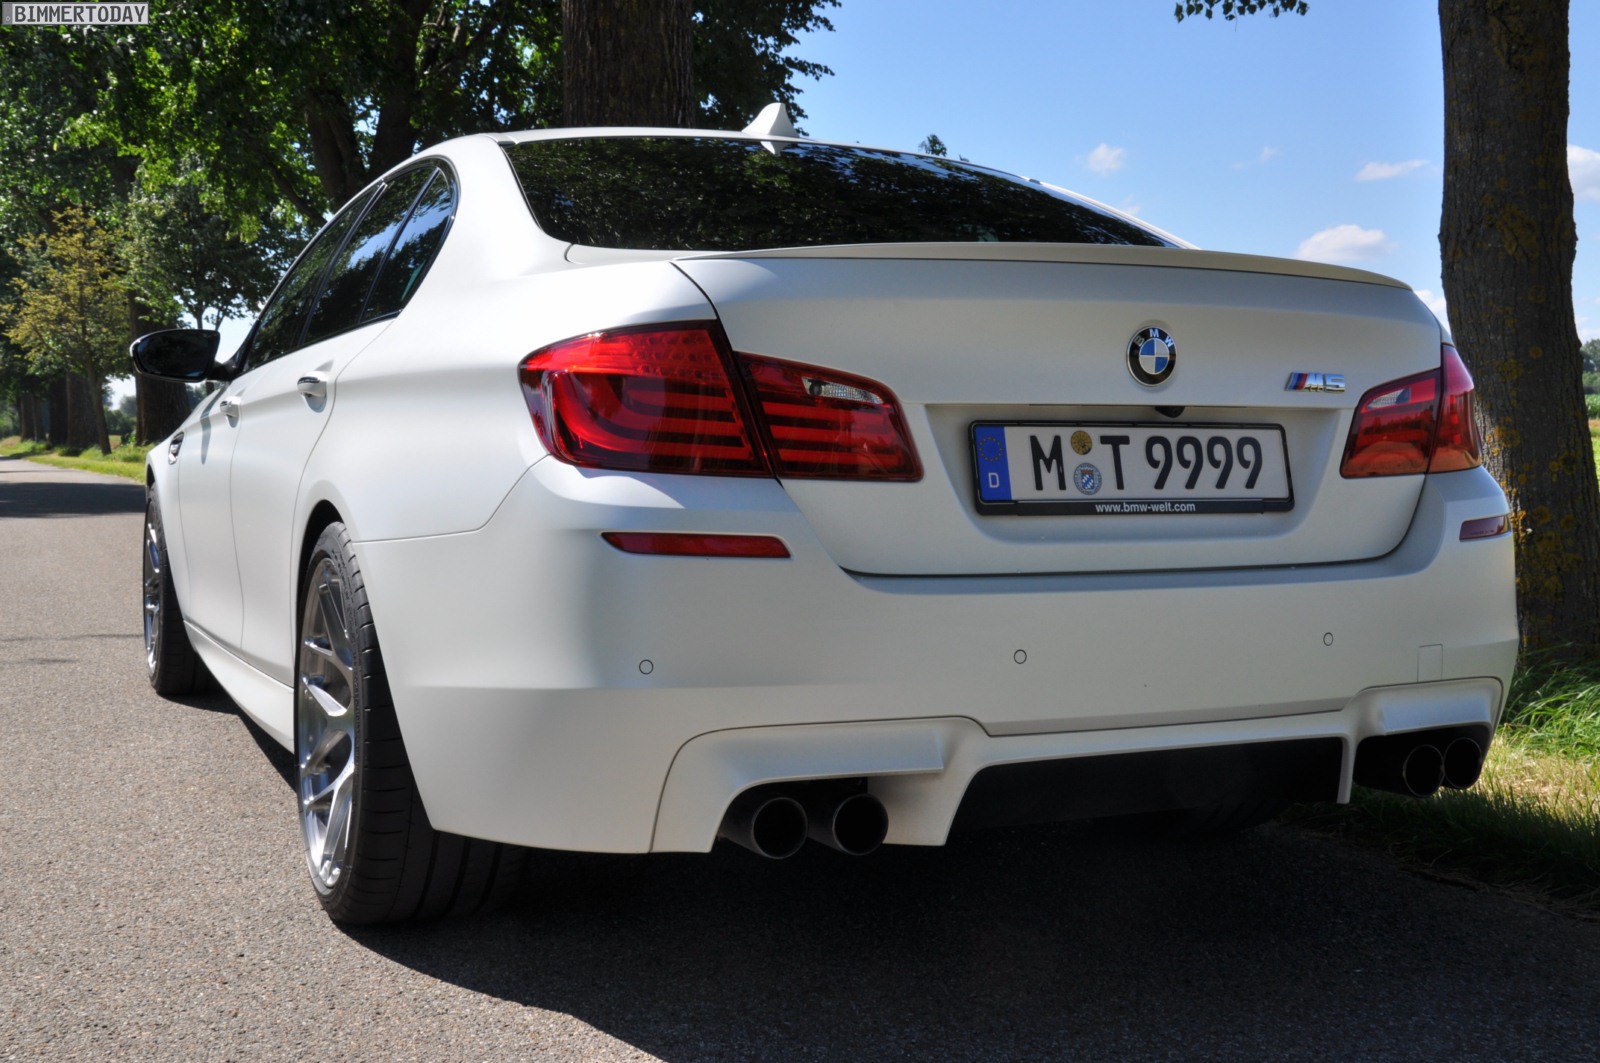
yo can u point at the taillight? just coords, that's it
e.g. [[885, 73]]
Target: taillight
[[825, 424], [656, 399], [1422, 423], [1458, 445], [668, 399]]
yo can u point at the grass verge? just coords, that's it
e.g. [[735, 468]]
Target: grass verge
[[126, 461], [1531, 824]]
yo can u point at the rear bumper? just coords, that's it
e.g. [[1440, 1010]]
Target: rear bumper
[[555, 692]]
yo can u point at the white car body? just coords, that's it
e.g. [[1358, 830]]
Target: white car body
[[556, 692]]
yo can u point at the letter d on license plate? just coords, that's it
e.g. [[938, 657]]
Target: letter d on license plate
[[1110, 469]]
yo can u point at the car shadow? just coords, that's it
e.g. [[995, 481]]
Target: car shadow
[[1039, 943], [21, 497]]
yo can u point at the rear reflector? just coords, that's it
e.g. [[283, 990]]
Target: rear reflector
[[1423, 423], [1484, 527], [674, 398], [690, 545]]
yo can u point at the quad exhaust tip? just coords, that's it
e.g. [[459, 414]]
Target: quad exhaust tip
[[1463, 763], [1418, 764], [774, 821], [767, 822]]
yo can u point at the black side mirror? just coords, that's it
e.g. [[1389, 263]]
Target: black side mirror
[[186, 354]]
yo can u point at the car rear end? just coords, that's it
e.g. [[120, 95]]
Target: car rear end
[[986, 530]]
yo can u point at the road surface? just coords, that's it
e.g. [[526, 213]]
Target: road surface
[[154, 905]]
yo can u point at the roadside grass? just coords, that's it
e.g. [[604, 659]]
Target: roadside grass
[[1532, 823], [125, 460]]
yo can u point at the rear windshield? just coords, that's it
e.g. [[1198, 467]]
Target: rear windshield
[[715, 194]]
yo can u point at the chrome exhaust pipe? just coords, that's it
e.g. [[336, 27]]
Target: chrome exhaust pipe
[[766, 821], [1423, 770], [1463, 763], [849, 820], [1401, 764]]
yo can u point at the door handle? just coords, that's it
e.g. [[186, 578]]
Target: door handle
[[313, 385], [230, 409]]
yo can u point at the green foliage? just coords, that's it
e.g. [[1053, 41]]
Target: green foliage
[[118, 423], [1591, 400], [182, 254], [932, 145], [1232, 9], [739, 60], [1590, 353], [71, 310], [1553, 704]]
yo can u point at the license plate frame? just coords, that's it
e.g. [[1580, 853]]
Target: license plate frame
[[1072, 499]]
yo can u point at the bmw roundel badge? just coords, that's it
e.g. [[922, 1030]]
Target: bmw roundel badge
[[1152, 356]]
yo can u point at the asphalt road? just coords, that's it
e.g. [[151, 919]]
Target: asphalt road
[[153, 905]]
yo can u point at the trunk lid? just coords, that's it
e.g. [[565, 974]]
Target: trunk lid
[[1038, 335]]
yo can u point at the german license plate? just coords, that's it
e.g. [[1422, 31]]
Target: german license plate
[[1131, 468]]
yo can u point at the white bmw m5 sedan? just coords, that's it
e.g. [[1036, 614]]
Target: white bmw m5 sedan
[[620, 489]]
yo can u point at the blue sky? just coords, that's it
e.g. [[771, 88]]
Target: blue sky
[[1254, 135]]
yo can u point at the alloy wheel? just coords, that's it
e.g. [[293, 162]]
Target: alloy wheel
[[325, 743]]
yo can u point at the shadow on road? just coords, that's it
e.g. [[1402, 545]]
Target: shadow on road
[[21, 497], [1033, 943]]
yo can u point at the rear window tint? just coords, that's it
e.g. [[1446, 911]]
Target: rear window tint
[[345, 291], [718, 194], [415, 247], [283, 319]]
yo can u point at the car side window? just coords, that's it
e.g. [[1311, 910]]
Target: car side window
[[344, 294], [282, 320], [415, 248]]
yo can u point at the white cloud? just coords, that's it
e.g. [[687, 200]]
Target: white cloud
[[1128, 206], [1266, 156], [1583, 166], [1105, 159], [1345, 243], [1382, 171], [1435, 301]]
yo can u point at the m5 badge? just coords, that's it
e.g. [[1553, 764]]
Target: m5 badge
[[1315, 382]]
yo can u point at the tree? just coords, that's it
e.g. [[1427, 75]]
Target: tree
[[182, 254], [628, 62], [1507, 242], [70, 313]]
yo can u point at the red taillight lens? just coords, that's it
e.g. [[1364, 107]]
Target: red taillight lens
[[1458, 445], [1420, 424], [656, 399], [825, 424], [664, 400]]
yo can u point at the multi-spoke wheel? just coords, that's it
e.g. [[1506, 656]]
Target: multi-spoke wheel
[[372, 854], [325, 727], [172, 664]]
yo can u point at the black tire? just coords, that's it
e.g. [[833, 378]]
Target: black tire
[[389, 864], [173, 666]]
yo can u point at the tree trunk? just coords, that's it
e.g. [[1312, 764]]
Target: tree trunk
[[159, 405], [1507, 240], [27, 420], [628, 62], [97, 391], [82, 427], [59, 417], [163, 404]]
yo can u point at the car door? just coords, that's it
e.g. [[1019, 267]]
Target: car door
[[214, 602], [288, 406]]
